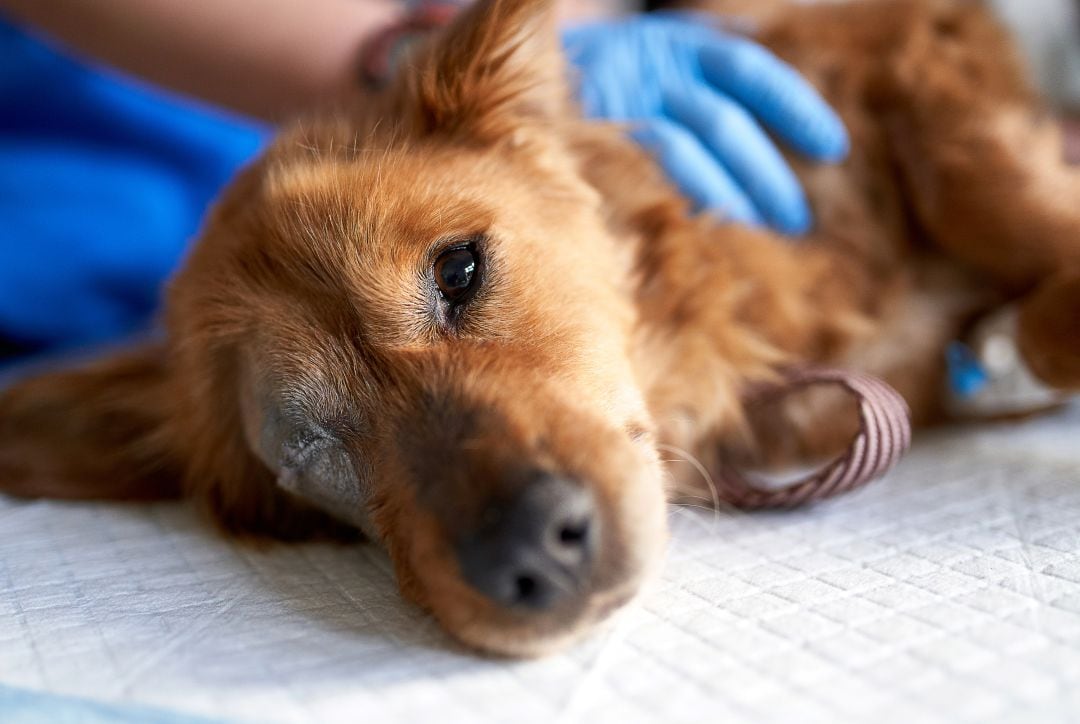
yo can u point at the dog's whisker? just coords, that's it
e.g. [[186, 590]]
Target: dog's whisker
[[706, 476]]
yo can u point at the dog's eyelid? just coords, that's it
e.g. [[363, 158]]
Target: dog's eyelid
[[310, 437], [476, 239], [311, 432], [301, 446]]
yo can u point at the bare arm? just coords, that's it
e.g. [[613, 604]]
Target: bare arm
[[265, 58]]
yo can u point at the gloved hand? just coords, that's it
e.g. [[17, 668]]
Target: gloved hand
[[694, 96]]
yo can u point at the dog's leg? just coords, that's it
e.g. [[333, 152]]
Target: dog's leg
[[987, 175], [982, 165], [1049, 331]]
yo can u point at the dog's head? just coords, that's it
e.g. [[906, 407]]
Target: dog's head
[[414, 316], [427, 327]]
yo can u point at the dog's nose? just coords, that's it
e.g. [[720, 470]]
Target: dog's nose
[[536, 550]]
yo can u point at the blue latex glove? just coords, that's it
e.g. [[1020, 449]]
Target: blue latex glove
[[695, 95]]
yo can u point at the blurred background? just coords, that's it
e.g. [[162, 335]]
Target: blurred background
[[1049, 32]]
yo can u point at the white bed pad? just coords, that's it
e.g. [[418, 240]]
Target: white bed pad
[[948, 592]]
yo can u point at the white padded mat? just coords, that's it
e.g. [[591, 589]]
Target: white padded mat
[[948, 592]]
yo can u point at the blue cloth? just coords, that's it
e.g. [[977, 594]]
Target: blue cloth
[[103, 183]]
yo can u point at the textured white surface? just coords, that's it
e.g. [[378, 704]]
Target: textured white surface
[[949, 592]]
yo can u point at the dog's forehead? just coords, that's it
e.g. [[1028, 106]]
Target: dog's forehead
[[357, 236], [378, 201]]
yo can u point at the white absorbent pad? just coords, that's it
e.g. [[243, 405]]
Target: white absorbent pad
[[948, 592]]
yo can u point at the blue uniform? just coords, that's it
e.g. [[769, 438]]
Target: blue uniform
[[103, 184]]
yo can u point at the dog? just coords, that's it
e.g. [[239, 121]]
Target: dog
[[465, 321]]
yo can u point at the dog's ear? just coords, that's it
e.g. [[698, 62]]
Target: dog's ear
[[497, 65], [92, 432]]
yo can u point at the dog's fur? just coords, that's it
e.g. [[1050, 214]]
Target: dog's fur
[[611, 322]]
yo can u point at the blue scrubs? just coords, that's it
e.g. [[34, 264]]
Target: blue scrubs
[[103, 183]]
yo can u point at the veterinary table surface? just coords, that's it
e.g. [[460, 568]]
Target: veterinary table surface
[[948, 592]]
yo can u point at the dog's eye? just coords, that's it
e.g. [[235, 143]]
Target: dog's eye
[[455, 272]]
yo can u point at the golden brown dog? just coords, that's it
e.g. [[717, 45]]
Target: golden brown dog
[[465, 320]]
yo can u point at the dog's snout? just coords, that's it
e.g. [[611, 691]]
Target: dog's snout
[[534, 551]]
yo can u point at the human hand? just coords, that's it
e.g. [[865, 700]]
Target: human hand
[[695, 96]]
